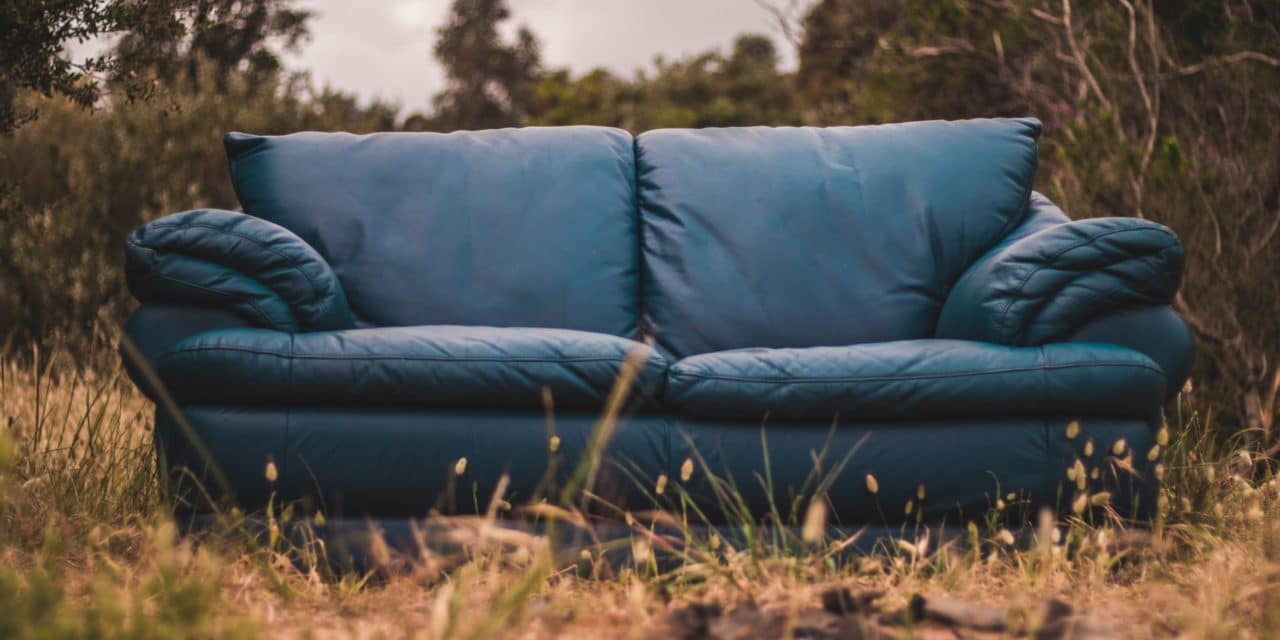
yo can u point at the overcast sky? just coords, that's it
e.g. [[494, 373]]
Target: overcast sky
[[382, 48]]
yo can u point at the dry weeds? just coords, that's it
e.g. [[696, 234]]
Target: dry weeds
[[85, 550]]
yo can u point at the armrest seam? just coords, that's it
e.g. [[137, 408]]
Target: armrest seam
[[291, 263], [263, 317], [1017, 293]]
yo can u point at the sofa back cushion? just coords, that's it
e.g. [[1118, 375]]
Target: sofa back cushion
[[800, 237], [514, 227]]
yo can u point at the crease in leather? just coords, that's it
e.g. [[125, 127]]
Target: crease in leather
[[1090, 241], [259, 315], [917, 379], [207, 250], [1018, 294], [290, 262], [888, 378], [475, 367]]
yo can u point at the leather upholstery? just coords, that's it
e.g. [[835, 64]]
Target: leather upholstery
[[224, 258], [430, 366], [154, 329], [512, 227], [890, 300], [801, 237], [399, 462], [917, 379], [964, 465], [1159, 332], [1042, 286]]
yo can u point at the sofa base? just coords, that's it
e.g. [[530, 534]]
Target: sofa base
[[407, 463]]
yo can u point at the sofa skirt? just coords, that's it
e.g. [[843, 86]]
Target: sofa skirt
[[379, 463]]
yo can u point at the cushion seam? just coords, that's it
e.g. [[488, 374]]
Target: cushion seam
[[304, 356], [890, 378]]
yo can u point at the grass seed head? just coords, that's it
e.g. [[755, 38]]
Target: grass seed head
[[1100, 498], [1073, 429], [686, 470], [920, 492], [1119, 447], [1254, 514], [271, 473], [661, 486], [641, 550], [1153, 454], [1088, 447], [1081, 501], [1005, 537], [815, 521], [1162, 436], [873, 486], [553, 445], [460, 467]]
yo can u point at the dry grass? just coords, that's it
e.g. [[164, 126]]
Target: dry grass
[[87, 551]]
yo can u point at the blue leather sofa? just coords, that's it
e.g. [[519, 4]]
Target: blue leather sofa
[[893, 301]]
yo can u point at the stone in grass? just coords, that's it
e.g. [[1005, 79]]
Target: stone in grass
[[1060, 621], [841, 601], [955, 612], [747, 620]]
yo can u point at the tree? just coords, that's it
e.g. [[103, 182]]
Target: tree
[[33, 39], [160, 37], [489, 82], [708, 89], [229, 36]]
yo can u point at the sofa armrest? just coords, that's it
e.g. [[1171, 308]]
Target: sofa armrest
[[259, 270], [1041, 287], [154, 328], [1158, 332]]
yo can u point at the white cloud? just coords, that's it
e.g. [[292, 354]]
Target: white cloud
[[382, 48]]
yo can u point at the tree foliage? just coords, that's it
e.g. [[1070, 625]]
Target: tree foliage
[[74, 182], [489, 81], [33, 39], [229, 36], [711, 89]]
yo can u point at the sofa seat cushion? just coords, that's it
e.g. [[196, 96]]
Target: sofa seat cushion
[[917, 379], [458, 367]]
